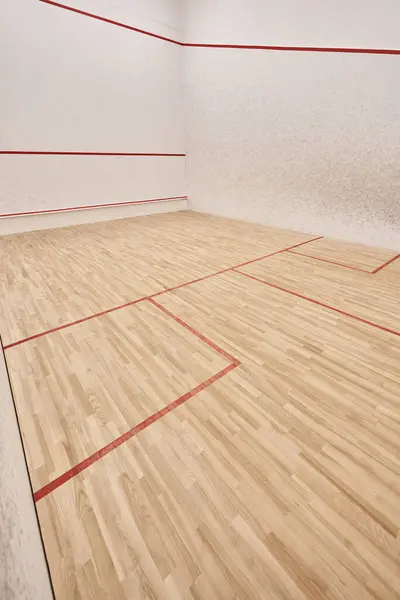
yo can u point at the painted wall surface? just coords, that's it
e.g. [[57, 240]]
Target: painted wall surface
[[304, 140], [355, 23], [72, 83]]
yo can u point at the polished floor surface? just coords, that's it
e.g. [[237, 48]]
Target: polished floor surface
[[210, 409]]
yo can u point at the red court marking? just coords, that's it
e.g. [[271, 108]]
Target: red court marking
[[181, 285], [56, 483], [89, 206], [226, 46], [67, 153], [54, 329], [104, 312], [338, 310], [202, 337], [84, 464], [388, 262], [111, 21], [332, 262], [295, 48]]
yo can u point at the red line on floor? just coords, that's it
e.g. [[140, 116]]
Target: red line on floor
[[104, 312], [388, 262], [66, 325], [67, 153], [338, 310], [332, 262], [202, 337], [111, 21], [53, 485], [90, 206], [181, 285], [84, 464]]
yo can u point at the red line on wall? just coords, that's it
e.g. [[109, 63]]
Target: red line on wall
[[388, 262], [90, 206], [296, 48], [111, 21], [227, 46], [333, 308], [73, 153]]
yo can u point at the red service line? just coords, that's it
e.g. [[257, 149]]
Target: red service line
[[388, 262], [333, 308], [82, 153], [225, 46], [87, 462], [165, 291], [333, 262], [91, 206]]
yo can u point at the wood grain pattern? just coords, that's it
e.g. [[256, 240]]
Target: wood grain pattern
[[279, 481], [60, 272], [360, 294], [23, 570], [77, 390], [348, 254]]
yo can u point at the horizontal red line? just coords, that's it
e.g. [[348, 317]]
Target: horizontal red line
[[56, 483], [227, 46], [296, 48], [90, 206], [83, 153], [111, 22], [388, 262], [332, 262], [171, 289], [333, 308]]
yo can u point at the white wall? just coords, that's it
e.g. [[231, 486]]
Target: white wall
[[309, 141], [72, 83]]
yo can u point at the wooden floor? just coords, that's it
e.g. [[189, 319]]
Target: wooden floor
[[236, 437]]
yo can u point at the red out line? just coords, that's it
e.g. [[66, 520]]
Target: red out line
[[56, 483], [332, 262], [388, 262], [226, 46], [295, 48], [111, 22], [171, 289], [333, 308], [73, 153], [90, 206]]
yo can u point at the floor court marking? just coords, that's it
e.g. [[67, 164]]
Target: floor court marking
[[96, 456], [318, 303], [333, 262], [171, 289]]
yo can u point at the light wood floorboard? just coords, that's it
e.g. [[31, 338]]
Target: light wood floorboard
[[65, 274], [279, 481], [353, 255]]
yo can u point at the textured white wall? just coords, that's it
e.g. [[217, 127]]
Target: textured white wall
[[309, 141], [345, 23], [72, 83]]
